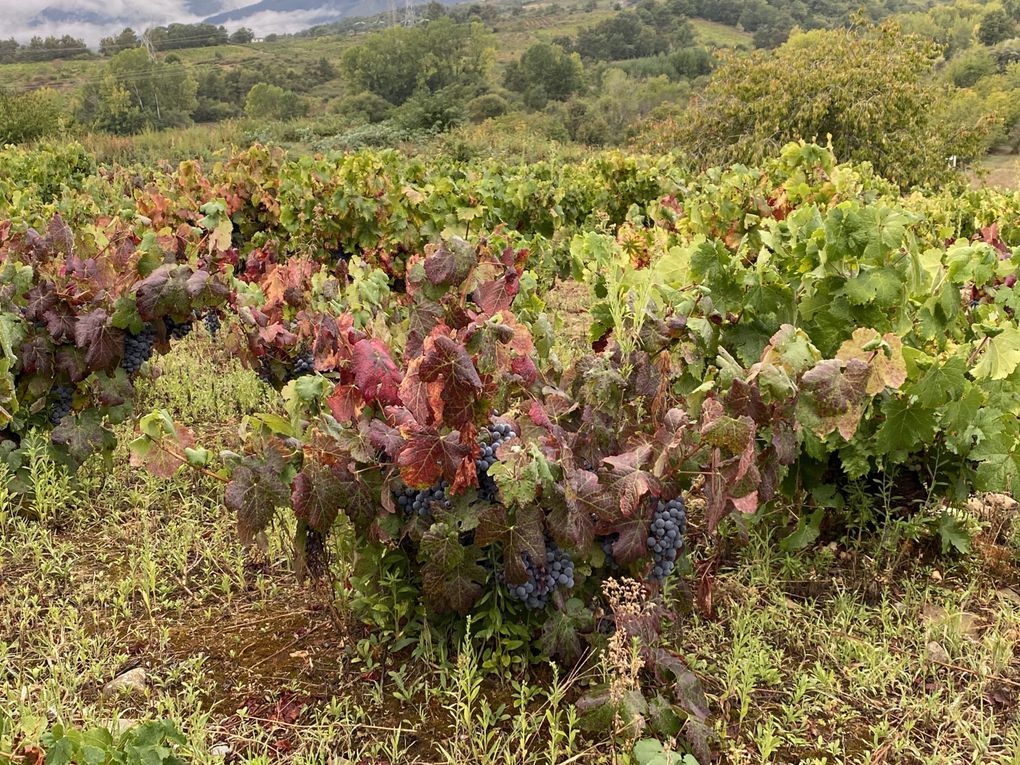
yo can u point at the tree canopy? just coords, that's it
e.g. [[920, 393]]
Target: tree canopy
[[868, 88], [397, 62]]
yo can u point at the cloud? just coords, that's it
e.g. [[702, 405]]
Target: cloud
[[93, 19]]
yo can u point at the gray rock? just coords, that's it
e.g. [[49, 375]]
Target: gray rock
[[936, 653], [134, 680]]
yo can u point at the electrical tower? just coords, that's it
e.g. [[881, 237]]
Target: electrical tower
[[409, 17]]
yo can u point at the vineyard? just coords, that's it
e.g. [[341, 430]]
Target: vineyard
[[526, 455]]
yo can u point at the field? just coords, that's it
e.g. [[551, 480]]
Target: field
[[800, 652], [378, 459]]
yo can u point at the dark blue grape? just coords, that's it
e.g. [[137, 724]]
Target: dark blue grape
[[666, 536], [212, 323], [303, 365], [607, 543], [175, 330], [422, 501], [557, 572], [138, 349], [491, 438], [62, 402]]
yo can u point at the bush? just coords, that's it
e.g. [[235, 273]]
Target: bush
[[432, 112], [27, 116], [486, 107], [363, 107], [270, 102]]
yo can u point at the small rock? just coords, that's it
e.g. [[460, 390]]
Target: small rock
[[120, 726], [936, 575], [1005, 593], [934, 613], [131, 681], [969, 623], [936, 653], [220, 750]]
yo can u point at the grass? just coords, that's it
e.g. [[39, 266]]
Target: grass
[[864, 651], [715, 35]]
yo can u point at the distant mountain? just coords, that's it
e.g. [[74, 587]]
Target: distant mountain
[[310, 11], [93, 19], [263, 15]]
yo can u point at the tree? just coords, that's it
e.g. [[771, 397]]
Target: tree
[[27, 116], [137, 92], [995, 27], [110, 46], [271, 102], [398, 62], [241, 36], [970, 66], [548, 68], [869, 88], [9, 51]]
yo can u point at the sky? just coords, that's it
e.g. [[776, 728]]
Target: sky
[[19, 17]]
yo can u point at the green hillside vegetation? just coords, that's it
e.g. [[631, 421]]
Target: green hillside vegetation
[[666, 73]]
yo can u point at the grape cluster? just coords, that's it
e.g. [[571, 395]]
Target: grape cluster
[[557, 572], [176, 330], [492, 437], [606, 543], [666, 536], [421, 500], [61, 406], [212, 323], [138, 349], [304, 365]]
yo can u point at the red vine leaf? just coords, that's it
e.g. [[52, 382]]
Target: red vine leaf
[[375, 374], [450, 263], [498, 295], [428, 456]]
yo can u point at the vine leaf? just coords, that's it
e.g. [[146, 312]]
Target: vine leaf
[[1001, 357], [629, 481], [83, 435], [375, 374], [562, 631], [147, 452], [887, 367], [498, 294], [428, 456], [442, 385], [318, 493], [906, 426], [573, 509], [450, 263], [519, 536], [452, 579], [60, 320], [839, 395], [101, 341], [520, 474], [255, 491]]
